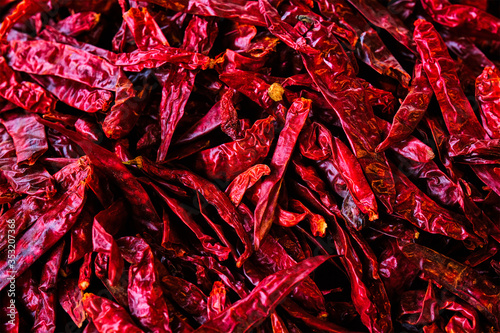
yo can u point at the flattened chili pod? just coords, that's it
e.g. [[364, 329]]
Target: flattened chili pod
[[254, 308], [270, 187], [488, 96], [461, 280], [107, 316], [51, 226], [411, 110], [210, 192], [142, 207]]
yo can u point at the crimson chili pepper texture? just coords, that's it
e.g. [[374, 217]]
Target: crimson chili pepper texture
[[249, 166]]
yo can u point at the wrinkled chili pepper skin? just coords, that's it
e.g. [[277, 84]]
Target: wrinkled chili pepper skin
[[108, 316], [270, 186], [252, 309], [110, 165], [191, 162], [416, 207], [145, 296], [456, 109], [209, 191], [488, 96], [459, 279], [228, 160], [26, 95], [50, 227], [411, 110], [469, 19]]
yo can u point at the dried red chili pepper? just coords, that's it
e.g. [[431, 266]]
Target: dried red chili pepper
[[70, 297], [52, 225], [230, 159], [209, 191], [370, 48], [488, 96], [248, 178], [345, 162], [215, 86], [457, 112], [75, 94], [253, 309], [361, 126], [108, 163], [107, 315], [216, 302], [470, 20], [270, 186], [145, 296], [411, 110], [24, 94], [78, 23], [459, 279]]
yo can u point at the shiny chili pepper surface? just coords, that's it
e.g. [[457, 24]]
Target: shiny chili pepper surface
[[226, 166]]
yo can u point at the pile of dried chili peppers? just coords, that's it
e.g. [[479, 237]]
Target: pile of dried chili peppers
[[250, 166]]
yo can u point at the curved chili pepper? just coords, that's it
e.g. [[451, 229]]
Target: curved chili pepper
[[209, 191], [248, 178], [253, 309], [471, 20], [411, 110], [459, 279], [488, 96], [229, 159], [270, 186], [107, 315]]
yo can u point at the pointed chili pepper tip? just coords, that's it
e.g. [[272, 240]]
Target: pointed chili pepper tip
[[381, 147]]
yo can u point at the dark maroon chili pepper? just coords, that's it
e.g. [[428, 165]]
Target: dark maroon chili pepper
[[223, 96], [208, 190], [459, 279], [253, 309], [208, 243]]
